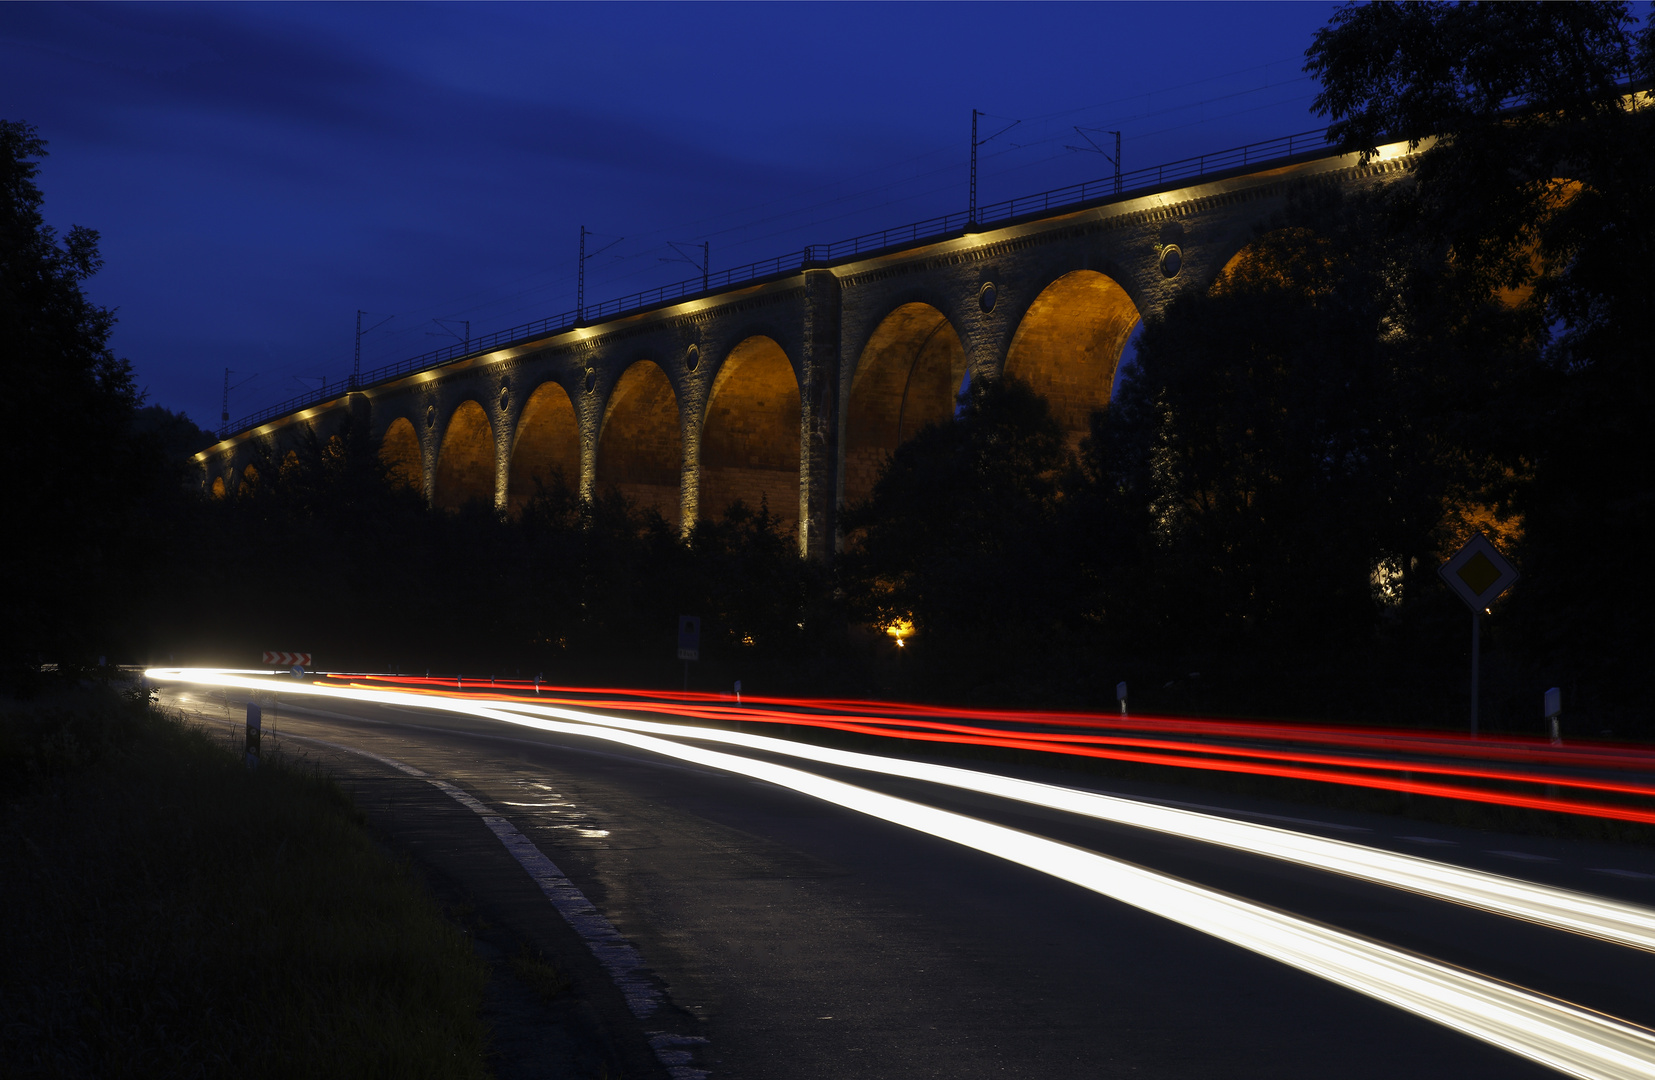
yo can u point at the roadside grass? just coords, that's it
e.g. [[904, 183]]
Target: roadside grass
[[538, 973], [169, 912]]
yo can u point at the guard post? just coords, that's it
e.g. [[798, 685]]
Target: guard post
[[689, 643], [255, 728]]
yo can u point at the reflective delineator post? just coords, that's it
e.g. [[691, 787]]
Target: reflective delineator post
[[1120, 692], [1554, 714], [255, 724]]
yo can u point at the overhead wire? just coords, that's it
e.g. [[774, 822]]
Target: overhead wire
[[736, 227]]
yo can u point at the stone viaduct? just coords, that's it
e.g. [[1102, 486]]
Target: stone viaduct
[[795, 386]]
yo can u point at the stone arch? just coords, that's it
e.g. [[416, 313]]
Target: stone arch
[[908, 376], [547, 444], [1068, 345], [399, 453], [641, 445], [219, 491], [290, 469], [249, 480], [1291, 257], [750, 438], [465, 465], [1552, 197]]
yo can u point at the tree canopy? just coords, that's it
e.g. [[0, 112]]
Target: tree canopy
[[1539, 176], [73, 474]]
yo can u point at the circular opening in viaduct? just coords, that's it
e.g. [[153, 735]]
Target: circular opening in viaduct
[[692, 359], [986, 297], [1171, 260]]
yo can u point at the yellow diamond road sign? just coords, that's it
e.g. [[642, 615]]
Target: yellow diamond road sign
[[1478, 573]]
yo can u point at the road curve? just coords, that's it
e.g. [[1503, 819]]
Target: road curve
[[787, 936]]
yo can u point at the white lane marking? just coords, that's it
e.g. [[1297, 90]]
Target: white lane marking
[[1521, 856], [1430, 840], [1636, 874], [669, 1048], [625, 967], [1554, 1033]]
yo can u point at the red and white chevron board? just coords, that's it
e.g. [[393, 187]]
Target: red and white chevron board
[[288, 659]]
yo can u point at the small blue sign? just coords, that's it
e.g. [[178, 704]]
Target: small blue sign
[[689, 637]]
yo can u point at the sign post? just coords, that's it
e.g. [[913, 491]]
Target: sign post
[[255, 724], [1477, 573], [1554, 710], [689, 643]]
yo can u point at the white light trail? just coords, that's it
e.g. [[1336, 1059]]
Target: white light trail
[[1582, 913], [1565, 1037]]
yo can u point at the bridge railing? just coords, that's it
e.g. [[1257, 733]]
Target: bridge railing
[[1129, 183]]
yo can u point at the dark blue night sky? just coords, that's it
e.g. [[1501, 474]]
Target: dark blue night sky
[[258, 173]]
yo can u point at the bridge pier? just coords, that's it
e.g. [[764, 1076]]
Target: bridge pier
[[504, 419], [820, 364]]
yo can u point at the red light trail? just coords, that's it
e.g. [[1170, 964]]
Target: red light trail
[[1129, 740]]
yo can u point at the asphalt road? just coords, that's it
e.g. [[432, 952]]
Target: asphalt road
[[786, 937]]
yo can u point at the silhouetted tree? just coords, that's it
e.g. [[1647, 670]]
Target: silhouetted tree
[[962, 535], [73, 476], [1539, 181], [1296, 433]]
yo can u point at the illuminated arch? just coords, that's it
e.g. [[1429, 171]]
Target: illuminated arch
[[249, 481], [548, 445], [907, 377], [399, 453], [750, 440], [1285, 259], [219, 491], [1069, 343], [465, 465], [290, 468], [1551, 197], [640, 447]]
